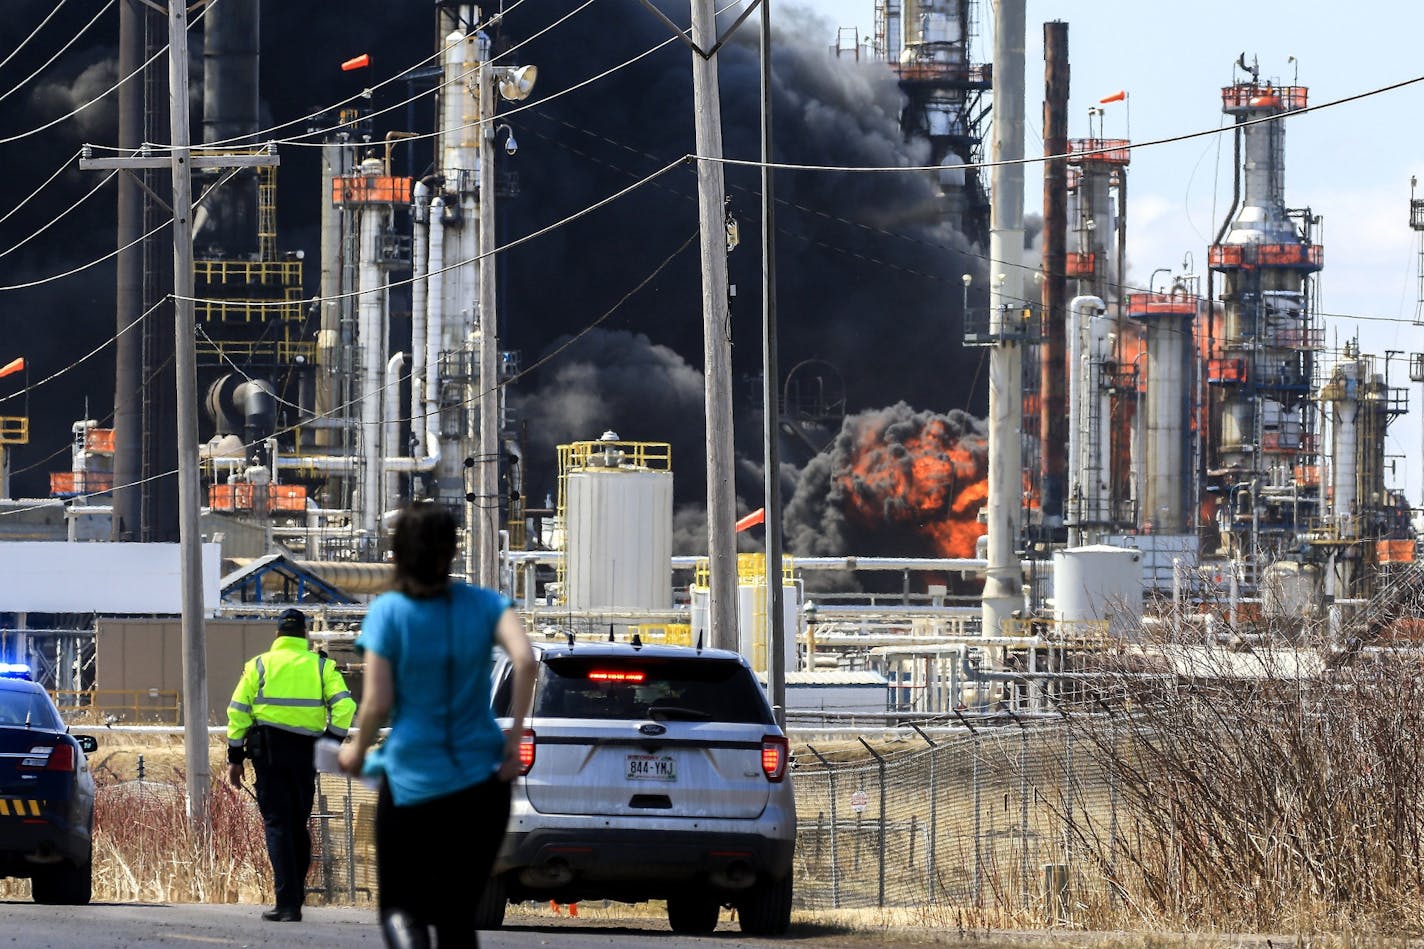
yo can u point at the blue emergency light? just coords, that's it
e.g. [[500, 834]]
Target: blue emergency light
[[14, 670]]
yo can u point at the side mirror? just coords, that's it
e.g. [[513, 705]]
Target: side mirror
[[87, 743]]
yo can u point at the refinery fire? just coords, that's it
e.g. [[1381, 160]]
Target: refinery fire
[[995, 438]]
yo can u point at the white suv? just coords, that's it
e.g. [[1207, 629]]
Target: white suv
[[650, 773]]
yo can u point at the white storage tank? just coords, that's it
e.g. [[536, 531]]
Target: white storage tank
[[616, 502], [1098, 583], [1290, 591], [753, 630]]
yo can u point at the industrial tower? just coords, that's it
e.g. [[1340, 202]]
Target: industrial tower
[[1262, 361], [926, 44]]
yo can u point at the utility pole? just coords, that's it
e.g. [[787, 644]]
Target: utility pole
[[181, 164], [770, 392], [484, 512], [716, 331]]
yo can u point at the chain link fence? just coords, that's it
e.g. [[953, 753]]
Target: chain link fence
[[984, 817]]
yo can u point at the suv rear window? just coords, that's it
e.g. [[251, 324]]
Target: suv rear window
[[661, 689]]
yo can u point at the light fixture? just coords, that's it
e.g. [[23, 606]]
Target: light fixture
[[516, 82], [510, 145]]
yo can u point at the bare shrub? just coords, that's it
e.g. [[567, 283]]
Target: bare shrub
[[145, 848], [1262, 786]]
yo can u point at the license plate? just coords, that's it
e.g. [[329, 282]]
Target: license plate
[[652, 768]]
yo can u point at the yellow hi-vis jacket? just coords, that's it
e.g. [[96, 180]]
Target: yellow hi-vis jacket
[[291, 688]]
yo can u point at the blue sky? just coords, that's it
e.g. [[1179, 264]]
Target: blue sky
[[1350, 163]]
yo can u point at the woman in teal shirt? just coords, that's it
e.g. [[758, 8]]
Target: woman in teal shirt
[[428, 648]]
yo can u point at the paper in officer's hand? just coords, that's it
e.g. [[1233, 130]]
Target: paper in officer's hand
[[325, 753]]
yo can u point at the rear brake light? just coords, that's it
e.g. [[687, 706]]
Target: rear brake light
[[605, 675], [526, 751], [49, 758], [774, 753]]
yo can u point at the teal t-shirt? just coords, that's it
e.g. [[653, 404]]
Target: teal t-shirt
[[443, 736]]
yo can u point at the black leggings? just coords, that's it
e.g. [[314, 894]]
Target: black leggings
[[413, 844]]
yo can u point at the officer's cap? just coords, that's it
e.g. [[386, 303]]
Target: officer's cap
[[292, 623]]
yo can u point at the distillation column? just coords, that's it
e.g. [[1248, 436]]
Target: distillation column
[[1167, 472], [942, 92], [1262, 362]]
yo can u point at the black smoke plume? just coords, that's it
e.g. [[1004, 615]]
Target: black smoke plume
[[868, 274]]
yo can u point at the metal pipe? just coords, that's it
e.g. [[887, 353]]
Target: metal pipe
[[372, 345], [1003, 584]]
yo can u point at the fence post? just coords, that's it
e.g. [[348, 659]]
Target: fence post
[[934, 811], [880, 764], [1112, 800], [978, 814], [1023, 806], [350, 814], [1055, 893], [835, 853]]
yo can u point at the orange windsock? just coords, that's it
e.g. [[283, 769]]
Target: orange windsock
[[751, 520], [12, 367], [1115, 97], [356, 62]]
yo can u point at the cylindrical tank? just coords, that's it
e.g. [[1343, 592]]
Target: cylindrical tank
[[1343, 394], [618, 520], [1099, 583], [1290, 590]]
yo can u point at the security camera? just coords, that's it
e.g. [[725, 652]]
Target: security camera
[[510, 145]]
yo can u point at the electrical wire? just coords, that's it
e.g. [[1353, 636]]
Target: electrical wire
[[493, 251], [63, 167], [59, 52], [262, 135], [337, 411], [83, 267], [54, 11], [82, 359], [488, 120], [19, 136], [1040, 159], [60, 216]]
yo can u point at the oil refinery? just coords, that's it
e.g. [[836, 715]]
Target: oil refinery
[[1187, 447]]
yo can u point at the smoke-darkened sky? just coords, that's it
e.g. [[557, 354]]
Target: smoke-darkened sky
[[867, 277]]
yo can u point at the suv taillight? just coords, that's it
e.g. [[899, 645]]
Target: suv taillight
[[774, 752], [58, 757], [526, 751]]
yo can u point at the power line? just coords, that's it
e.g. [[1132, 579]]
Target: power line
[[59, 52], [33, 33], [107, 92], [1040, 159]]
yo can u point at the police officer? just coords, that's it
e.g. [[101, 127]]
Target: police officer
[[287, 698]]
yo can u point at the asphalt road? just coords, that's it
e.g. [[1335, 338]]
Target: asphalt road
[[196, 925]]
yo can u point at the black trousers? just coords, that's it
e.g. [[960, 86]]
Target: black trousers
[[286, 787], [469, 823]]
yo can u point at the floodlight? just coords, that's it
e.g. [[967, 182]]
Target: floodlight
[[516, 82]]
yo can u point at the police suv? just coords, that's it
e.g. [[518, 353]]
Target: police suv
[[650, 772]]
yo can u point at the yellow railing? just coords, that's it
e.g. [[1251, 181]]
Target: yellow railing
[[751, 570], [14, 429], [131, 706]]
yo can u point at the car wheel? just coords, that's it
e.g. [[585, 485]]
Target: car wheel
[[692, 913], [766, 909], [63, 884], [489, 911]]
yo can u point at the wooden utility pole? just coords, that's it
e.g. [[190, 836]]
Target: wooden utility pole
[[181, 163], [716, 331], [484, 511]]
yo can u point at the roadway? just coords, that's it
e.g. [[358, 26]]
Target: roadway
[[197, 925]]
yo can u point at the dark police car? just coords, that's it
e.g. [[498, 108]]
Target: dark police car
[[46, 793]]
